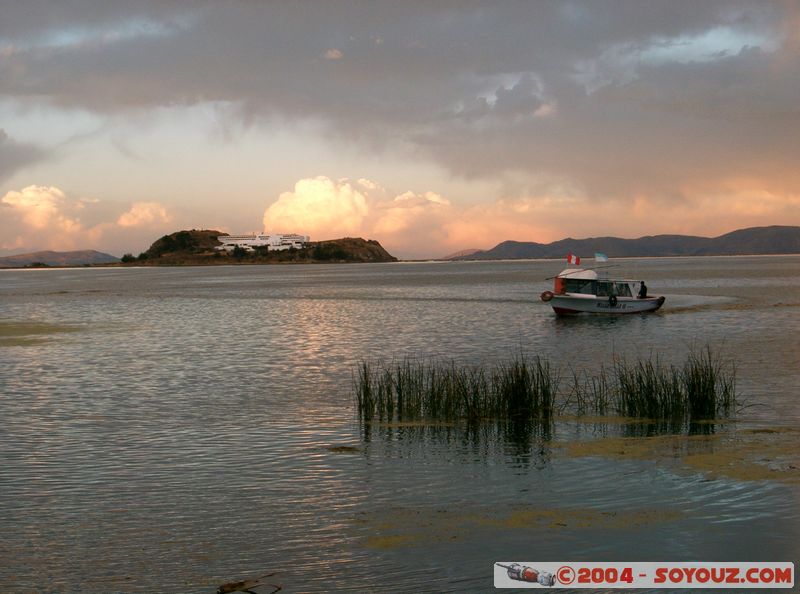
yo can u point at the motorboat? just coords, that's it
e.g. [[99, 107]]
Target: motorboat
[[580, 290]]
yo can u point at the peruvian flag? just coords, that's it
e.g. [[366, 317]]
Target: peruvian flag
[[573, 259]]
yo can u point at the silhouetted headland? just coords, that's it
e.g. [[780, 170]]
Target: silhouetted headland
[[199, 247]]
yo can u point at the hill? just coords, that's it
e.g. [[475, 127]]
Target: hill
[[197, 247], [752, 241], [350, 249], [50, 258], [183, 243], [461, 254]]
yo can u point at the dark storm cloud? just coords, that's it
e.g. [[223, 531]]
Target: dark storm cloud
[[482, 87], [398, 59], [14, 155], [34, 19]]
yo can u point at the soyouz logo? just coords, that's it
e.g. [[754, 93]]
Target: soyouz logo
[[524, 573], [576, 574]]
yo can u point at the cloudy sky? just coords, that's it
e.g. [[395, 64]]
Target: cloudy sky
[[429, 126]]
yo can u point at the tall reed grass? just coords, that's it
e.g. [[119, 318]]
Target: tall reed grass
[[415, 389], [703, 388]]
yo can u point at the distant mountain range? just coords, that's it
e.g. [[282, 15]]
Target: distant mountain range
[[461, 254], [48, 258], [754, 240]]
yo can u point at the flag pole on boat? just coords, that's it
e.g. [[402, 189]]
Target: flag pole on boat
[[573, 259]]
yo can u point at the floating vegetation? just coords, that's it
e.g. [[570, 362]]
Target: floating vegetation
[[529, 389], [343, 449], [749, 454], [14, 333], [402, 528], [248, 585]]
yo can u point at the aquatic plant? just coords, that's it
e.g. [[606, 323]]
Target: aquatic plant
[[526, 388], [414, 389], [702, 389], [710, 385], [589, 394]]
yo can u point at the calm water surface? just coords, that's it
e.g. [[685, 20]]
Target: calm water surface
[[167, 430]]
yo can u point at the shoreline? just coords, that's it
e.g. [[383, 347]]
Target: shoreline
[[210, 262]]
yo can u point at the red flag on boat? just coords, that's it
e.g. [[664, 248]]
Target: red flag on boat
[[573, 259]]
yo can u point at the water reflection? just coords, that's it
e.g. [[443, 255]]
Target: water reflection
[[667, 427], [522, 442], [198, 427], [525, 443]]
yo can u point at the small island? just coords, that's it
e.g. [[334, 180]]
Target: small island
[[200, 247]]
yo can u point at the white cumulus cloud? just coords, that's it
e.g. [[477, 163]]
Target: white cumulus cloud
[[144, 213], [408, 224], [41, 207], [319, 206], [411, 213], [45, 217]]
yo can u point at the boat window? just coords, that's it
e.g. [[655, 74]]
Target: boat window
[[622, 289], [578, 285], [606, 288]]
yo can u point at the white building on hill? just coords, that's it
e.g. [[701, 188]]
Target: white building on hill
[[275, 242]]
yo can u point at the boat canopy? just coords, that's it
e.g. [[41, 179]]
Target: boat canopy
[[578, 274]]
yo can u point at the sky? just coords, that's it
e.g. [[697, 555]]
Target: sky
[[431, 127]]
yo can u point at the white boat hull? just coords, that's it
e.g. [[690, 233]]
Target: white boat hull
[[575, 304]]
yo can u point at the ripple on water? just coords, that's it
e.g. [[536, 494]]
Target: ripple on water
[[192, 427]]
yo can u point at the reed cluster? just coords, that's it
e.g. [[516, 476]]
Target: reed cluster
[[703, 388], [414, 389]]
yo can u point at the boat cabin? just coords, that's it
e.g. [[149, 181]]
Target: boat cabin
[[577, 290], [586, 282]]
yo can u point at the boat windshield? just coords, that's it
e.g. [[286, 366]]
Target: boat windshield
[[620, 288], [579, 285]]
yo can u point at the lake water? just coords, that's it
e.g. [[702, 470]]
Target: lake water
[[171, 429]]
